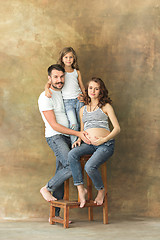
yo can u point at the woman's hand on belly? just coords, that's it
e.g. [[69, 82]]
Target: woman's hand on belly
[[98, 141], [97, 136]]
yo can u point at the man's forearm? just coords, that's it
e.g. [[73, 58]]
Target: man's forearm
[[60, 128]]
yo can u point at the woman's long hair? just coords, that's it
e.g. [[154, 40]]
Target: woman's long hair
[[103, 95], [63, 52]]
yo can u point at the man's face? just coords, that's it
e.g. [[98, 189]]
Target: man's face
[[57, 79]]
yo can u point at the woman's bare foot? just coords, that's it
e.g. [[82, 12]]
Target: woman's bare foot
[[100, 197], [82, 192], [47, 195]]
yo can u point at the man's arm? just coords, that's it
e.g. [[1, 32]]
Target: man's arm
[[48, 93], [51, 119]]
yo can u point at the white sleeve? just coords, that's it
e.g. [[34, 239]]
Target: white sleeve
[[45, 103]]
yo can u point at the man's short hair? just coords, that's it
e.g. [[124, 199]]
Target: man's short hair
[[56, 67]]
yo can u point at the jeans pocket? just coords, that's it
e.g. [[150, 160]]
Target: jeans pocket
[[110, 142], [48, 139]]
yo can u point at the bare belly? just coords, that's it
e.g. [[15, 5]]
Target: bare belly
[[96, 132]]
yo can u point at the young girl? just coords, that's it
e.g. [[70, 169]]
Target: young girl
[[73, 87], [94, 118]]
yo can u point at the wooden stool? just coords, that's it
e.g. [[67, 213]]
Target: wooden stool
[[66, 204]]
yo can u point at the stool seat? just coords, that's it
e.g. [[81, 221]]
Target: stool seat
[[67, 204]]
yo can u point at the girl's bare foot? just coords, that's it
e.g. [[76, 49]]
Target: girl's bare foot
[[100, 197], [82, 192], [47, 195]]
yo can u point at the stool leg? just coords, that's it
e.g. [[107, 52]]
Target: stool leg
[[89, 193], [66, 190], [105, 204], [66, 217], [52, 214]]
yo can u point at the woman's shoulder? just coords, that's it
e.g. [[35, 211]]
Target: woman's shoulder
[[107, 107], [83, 108]]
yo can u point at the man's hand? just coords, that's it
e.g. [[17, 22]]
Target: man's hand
[[81, 97], [48, 93], [83, 136]]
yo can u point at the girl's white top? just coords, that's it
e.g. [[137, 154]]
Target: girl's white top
[[71, 88]]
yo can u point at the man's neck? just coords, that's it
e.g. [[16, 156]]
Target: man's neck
[[55, 89]]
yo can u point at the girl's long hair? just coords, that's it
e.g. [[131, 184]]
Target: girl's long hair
[[63, 52], [103, 95]]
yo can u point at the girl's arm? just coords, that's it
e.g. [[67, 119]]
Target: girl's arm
[[48, 93], [80, 82], [116, 128], [78, 142]]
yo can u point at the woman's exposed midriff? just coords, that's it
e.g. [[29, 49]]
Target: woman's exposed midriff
[[94, 133]]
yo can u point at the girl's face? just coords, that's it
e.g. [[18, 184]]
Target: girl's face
[[93, 90], [68, 59]]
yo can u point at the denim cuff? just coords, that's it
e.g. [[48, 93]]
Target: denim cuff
[[49, 189], [80, 183]]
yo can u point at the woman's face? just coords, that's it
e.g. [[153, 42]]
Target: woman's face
[[93, 90]]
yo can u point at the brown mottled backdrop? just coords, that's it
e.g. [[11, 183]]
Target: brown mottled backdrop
[[115, 40]]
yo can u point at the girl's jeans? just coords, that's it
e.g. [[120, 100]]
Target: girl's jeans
[[100, 154], [60, 144], [72, 107]]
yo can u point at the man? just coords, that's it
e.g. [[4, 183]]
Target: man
[[56, 133]]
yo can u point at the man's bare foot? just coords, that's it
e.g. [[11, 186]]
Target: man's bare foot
[[82, 192], [100, 197], [47, 195], [58, 217]]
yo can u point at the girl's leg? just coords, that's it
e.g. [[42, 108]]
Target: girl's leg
[[78, 107], [101, 155], [70, 107]]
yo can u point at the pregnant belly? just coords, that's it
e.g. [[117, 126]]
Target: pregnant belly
[[94, 133]]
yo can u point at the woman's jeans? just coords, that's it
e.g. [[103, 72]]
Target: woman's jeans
[[60, 144], [72, 107], [100, 154]]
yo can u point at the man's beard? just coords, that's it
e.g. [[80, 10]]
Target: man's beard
[[54, 86]]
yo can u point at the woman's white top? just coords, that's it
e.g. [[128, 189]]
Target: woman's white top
[[71, 88]]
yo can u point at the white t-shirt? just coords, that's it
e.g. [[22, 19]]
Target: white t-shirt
[[71, 88], [54, 103]]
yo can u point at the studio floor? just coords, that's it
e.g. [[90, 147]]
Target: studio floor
[[129, 228]]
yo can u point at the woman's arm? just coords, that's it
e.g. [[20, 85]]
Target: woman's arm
[[108, 109]]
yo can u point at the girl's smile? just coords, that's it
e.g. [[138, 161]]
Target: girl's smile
[[68, 59]]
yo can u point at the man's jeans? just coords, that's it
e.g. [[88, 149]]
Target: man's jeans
[[60, 144], [100, 154], [72, 107]]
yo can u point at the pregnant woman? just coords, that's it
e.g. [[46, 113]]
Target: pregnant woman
[[94, 118]]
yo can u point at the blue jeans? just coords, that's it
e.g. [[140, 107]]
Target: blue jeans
[[72, 107], [60, 144], [100, 154]]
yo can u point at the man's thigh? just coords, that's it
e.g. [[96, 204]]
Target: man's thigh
[[60, 144]]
